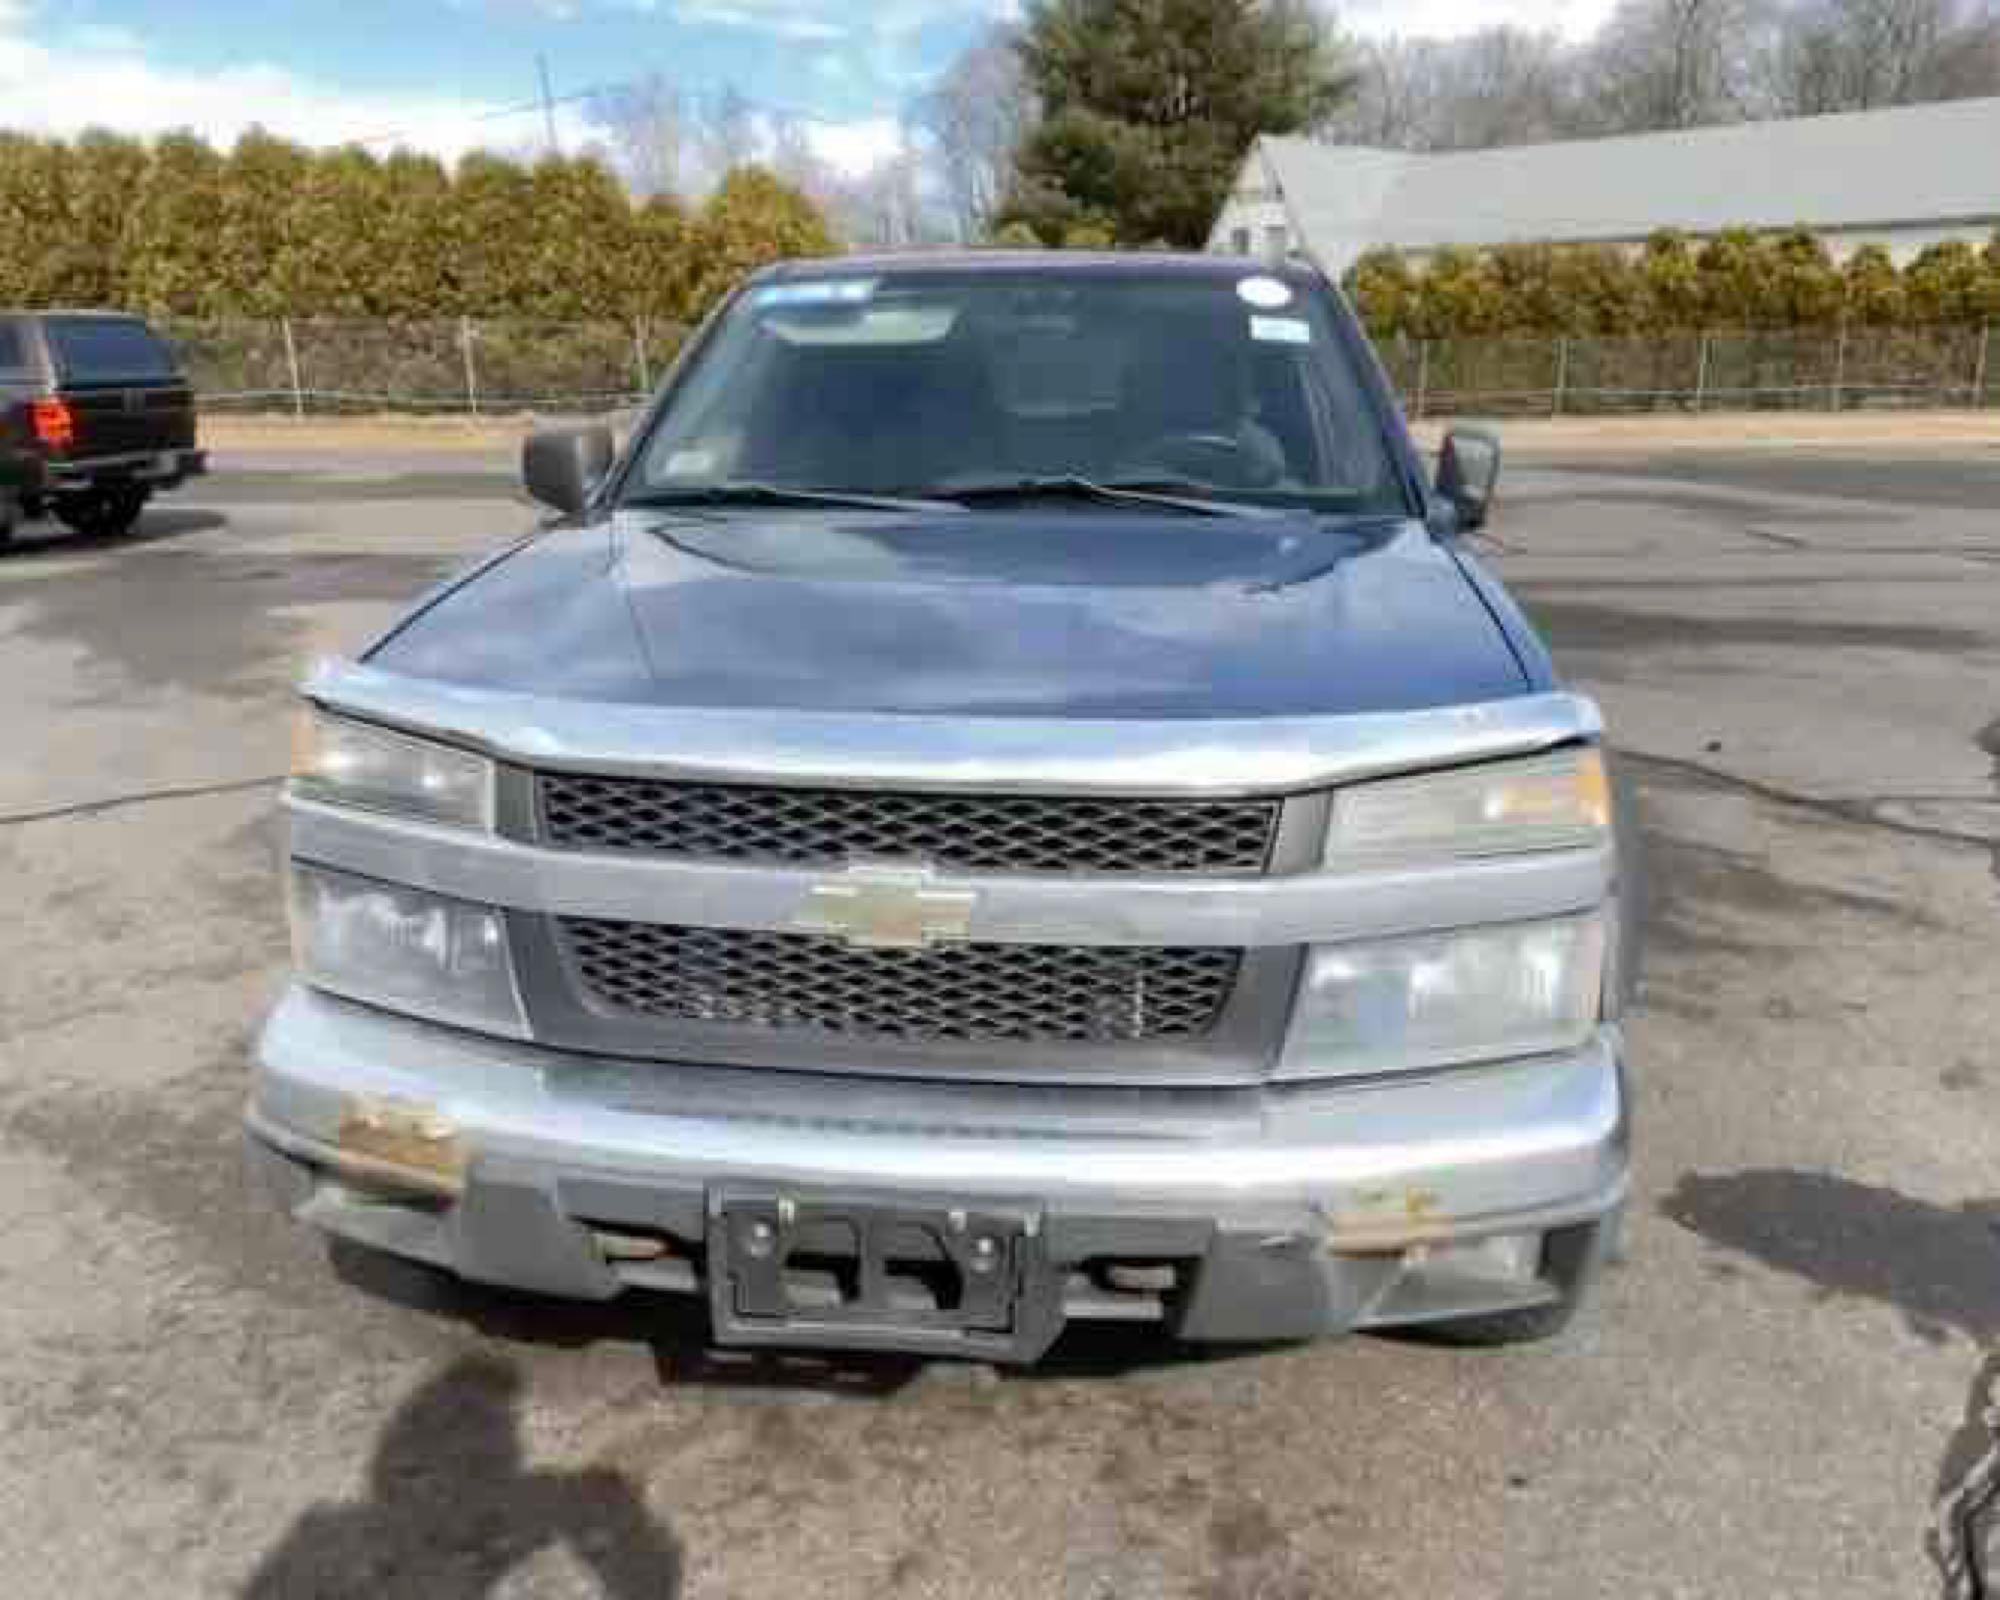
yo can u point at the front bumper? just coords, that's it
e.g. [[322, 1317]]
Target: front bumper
[[1277, 1213]]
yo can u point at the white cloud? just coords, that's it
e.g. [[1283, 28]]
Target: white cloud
[[1448, 19], [103, 77], [108, 37], [853, 148], [773, 24], [62, 79]]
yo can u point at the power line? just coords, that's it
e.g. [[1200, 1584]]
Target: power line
[[548, 104]]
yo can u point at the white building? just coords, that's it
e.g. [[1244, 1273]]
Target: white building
[[1904, 178]]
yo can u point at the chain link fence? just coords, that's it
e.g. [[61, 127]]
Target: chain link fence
[[1775, 370], [491, 366], [471, 366]]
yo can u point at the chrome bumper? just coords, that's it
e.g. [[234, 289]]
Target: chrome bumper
[[1299, 1210], [166, 467]]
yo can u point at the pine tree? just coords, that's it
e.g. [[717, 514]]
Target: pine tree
[[753, 218], [106, 171], [1461, 295], [416, 273], [572, 255], [1671, 283], [1945, 284], [657, 263], [1385, 292], [1736, 270], [492, 206], [1989, 280], [1804, 287], [34, 217], [1598, 289], [176, 232], [1873, 289], [263, 184], [331, 266], [1150, 106]]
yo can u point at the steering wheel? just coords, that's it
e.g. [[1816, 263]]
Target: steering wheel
[[1208, 457]]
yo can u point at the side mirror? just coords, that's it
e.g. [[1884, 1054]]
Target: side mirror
[[1468, 473], [561, 467]]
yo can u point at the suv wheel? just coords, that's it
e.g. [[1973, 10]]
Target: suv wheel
[[103, 513], [10, 517]]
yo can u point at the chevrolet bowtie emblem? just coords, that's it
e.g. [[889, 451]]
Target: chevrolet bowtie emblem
[[886, 908]]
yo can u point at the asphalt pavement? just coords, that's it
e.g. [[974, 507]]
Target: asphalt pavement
[[1799, 653]]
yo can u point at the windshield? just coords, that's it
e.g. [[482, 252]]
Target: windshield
[[923, 383], [89, 349]]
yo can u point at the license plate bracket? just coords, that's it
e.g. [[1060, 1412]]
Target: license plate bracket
[[824, 1270]]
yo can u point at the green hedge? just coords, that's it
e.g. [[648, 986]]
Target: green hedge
[[1737, 279], [273, 229]]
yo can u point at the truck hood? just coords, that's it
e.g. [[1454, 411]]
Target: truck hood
[[1099, 613]]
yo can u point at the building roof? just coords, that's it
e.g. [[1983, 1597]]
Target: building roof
[[1868, 169]]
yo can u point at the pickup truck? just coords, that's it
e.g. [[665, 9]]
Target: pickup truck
[[95, 417], [1010, 800]]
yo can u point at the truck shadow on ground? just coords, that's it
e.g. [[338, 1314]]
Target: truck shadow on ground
[[1938, 1265], [674, 1329], [50, 540], [452, 1510]]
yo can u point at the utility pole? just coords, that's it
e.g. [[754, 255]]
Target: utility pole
[[548, 104]]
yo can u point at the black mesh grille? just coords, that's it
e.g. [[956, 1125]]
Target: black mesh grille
[[1083, 994], [983, 833]]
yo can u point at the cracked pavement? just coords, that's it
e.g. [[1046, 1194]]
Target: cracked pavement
[[1799, 653]]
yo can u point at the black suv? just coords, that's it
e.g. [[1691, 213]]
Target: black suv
[[95, 415]]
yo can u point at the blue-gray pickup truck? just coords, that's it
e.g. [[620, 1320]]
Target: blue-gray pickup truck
[[1008, 800]]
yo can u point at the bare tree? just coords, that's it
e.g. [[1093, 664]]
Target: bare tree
[[1498, 86], [725, 135], [646, 125], [885, 206], [1678, 64], [1509, 86], [1854, 55], [1395, 96], [973, 120]]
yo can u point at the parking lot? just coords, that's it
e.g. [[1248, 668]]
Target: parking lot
[[1799, 652]]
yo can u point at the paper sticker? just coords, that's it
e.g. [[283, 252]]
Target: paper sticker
[[819, 292], [1266, 294], [690, 463], [1280, 330]]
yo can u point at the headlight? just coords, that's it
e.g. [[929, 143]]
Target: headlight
[[1479, 994], [1549, 803], [405, 950], [357, 764]]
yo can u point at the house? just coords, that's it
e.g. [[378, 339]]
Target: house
[[1903, 178]]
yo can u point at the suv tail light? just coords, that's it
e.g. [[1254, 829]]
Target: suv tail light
[[55, 424]]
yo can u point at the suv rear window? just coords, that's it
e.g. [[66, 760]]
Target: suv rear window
[[88, 348], [13, 350]]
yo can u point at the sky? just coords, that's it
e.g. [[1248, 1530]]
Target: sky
[[450, 75]]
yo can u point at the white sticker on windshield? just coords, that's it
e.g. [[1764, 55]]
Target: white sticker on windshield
[[1281, 330], [817, 292], [1266, 294], [690, 463]]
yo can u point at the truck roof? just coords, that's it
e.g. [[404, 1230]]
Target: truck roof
[[103, 312], [1149, 263]]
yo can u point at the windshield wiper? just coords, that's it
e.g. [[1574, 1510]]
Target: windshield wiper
[[1148, 492], [780, 495]]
